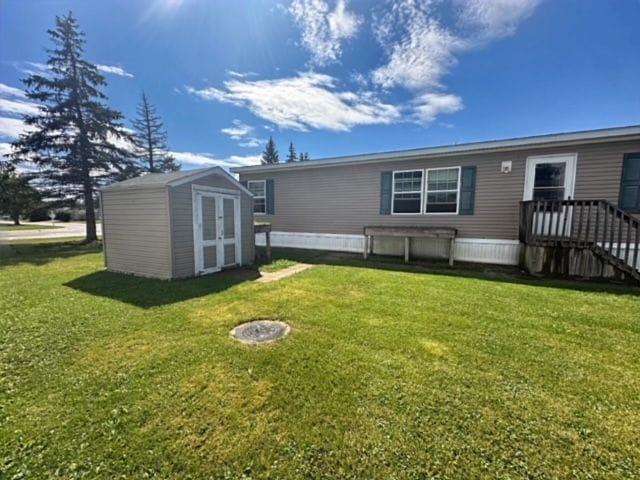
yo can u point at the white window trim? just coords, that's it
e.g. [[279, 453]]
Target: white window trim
[[393, 192], [264, 182], [426, 190]]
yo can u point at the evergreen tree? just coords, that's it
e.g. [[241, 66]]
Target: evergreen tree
[[72, 140], [150, 140], [17, 197], [304, 157], [292, 156], [270, 154]]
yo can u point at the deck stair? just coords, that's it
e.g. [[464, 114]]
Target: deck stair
[[612, 234]]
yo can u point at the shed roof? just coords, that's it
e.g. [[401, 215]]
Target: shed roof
[[539, 141], [158, 180]]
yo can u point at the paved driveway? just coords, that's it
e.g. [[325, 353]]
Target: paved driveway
[[70, 229]]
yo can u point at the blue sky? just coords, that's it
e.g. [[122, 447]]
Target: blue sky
[[340, 77]]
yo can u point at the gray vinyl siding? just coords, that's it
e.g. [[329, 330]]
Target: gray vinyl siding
[[343, 199], [181, 212], [137, 232]]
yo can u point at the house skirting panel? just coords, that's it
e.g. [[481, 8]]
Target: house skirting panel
[[480, 250]]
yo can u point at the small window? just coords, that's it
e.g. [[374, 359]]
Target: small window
[[407, 191], [443, 185], [259, 190]]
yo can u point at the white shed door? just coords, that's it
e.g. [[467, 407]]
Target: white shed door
[[216, 231]]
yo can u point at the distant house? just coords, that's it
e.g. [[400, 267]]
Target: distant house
[[508, 201]]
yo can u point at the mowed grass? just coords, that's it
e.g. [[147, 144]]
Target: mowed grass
[[285, 258], [386, 374]]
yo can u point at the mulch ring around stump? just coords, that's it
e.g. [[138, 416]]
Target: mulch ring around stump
[[260, 331]]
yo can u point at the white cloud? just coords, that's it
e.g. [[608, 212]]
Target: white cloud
[[31, 68], [309, 100], [233, 73], [251, 142], [115, 70], [9, 91], [5, 149], [427, 107], [12, 103], [206, 160], [421, 49], [421, 59], [11, 127], [238, 131], [243, 132], [324, 28], [496, 18], [18, 107]]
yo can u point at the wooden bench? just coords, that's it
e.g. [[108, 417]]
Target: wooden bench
[[408, 233]]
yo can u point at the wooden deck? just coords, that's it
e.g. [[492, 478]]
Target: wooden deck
[[598, 226], [408, 232]]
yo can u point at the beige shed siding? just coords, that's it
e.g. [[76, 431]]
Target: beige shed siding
[[137, 232], [342, 199], [181, 212]]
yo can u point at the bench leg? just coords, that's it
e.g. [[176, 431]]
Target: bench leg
[[268, 247], [406, 249], [452, 245]]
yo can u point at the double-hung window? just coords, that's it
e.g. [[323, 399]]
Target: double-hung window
[[259, 190], [442, 190], [407, 191]]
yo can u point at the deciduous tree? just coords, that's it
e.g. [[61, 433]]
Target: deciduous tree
[[17, 197]]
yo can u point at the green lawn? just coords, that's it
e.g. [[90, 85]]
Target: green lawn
[[7, 227], [285, 258], [387, 374]]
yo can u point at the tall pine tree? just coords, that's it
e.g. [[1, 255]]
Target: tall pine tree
[[292, 156], [150, 140], [73, 139], [270, 154]]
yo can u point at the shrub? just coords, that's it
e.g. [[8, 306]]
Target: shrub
[[63, 216], [39, 215]]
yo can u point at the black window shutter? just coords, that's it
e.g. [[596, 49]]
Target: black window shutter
[[630, 184], [467, 190], [385, 192], [270, 197]]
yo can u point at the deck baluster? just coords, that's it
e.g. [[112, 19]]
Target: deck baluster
[[578, 239], [613, 228], [588, 227], [596, 228], [619, 215], [533, 222], [637, 245]]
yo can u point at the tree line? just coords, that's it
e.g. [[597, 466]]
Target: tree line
[[271, 155], [75, 143]]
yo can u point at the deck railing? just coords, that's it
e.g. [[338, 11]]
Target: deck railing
[[595, 224]]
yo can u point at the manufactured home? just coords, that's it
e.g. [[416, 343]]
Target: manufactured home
[[176, 225], [507, 202]]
